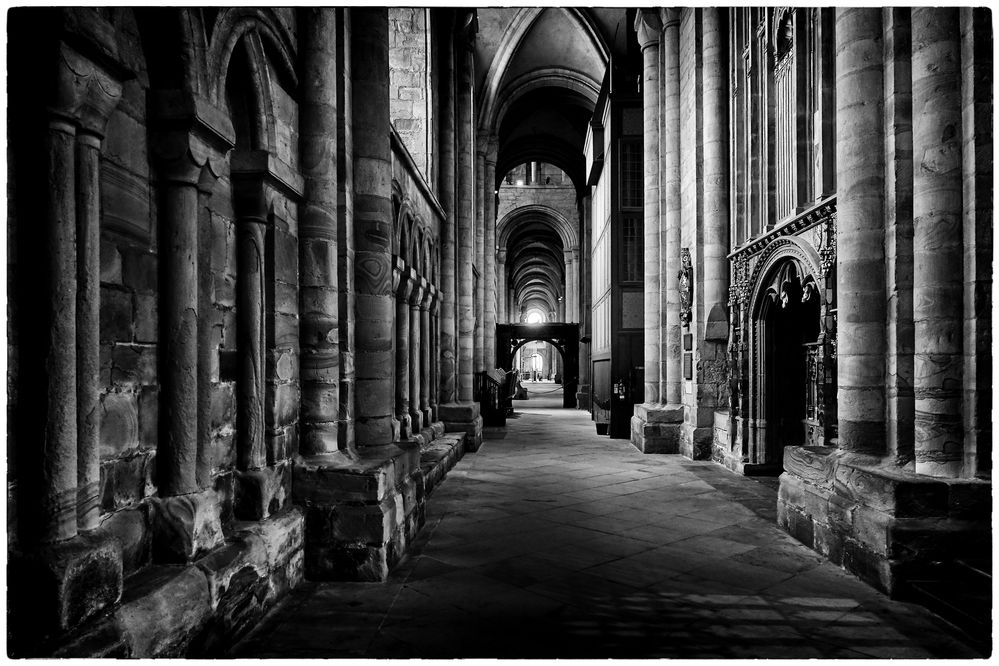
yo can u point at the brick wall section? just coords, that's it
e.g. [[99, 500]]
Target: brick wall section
[[410, 111]]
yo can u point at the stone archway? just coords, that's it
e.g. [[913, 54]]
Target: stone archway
[[564, 337], [788, 328]]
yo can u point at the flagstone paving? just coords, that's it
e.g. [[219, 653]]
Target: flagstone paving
[[557, 542]]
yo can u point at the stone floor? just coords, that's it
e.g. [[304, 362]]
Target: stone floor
[[556, 542]]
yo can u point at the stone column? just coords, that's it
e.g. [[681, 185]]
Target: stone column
[[479, 362], [375, 306], [937, 240], [345, 230], [318, 251], [649, 430], [465, 221], [648, 27], [102, 100], [448, 240], [860, 289], [489, 252], [714, 248], [899, 331], [428, 297], [403, 277], [977, 131], [464, 416], [58, 510], [251, 218], [187, 151], [672, 363], [435, 349], [503, 316], [711, 308], [178, 311], [415, 354]]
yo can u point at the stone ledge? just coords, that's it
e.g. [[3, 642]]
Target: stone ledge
[[439, 457], [659, 413], [882, 524], [203, 608], [369, 475]]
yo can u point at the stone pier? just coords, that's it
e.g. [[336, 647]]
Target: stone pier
[[655, 425]]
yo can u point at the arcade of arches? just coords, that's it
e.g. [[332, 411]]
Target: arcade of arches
[[258, 260]]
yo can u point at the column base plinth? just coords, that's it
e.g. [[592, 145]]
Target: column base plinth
[[185, 527], [463, 417], [362, 511], [55, 588], [657, 428], [261, 493]]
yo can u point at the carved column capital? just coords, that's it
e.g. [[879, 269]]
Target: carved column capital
[[428, 295], [670, 17], [86, 93], [191, 138], [419, 288], [403, 279], [649, 27], [435, 299]]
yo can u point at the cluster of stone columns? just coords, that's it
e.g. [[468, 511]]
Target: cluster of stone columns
[[416, 309], [86, 96], [935, 160], [461, 198], [655, 426]]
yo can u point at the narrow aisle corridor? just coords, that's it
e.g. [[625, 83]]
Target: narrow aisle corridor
[[556, 542]]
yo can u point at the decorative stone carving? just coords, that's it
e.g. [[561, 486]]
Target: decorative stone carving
[[827, 247], [686, 286]]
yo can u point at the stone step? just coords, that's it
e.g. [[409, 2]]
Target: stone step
[[438, 457]]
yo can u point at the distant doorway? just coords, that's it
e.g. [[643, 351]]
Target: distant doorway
[[563, 337]]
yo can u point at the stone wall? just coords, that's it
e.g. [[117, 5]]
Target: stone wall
[[409, 73], [129, 330], [559, 197]]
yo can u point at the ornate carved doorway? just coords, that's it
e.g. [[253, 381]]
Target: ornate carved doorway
[[789, 321]]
